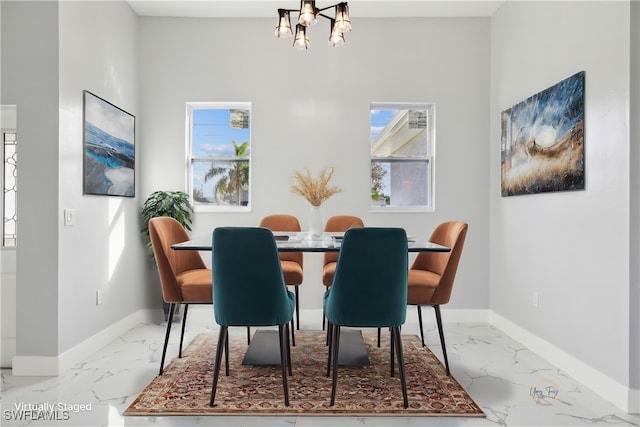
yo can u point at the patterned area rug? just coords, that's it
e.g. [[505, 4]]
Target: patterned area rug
[[185, 386]]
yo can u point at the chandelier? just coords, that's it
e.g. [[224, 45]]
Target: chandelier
[[307, 16]]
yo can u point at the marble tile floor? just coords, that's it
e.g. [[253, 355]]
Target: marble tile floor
[[514, 386]]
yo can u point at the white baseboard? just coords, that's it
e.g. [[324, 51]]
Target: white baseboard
[[634, 401], [46, 366], [606, 387], [7, 350]]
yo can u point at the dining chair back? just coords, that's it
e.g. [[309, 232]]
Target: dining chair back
[[249, 289], [336, 223], [184, 277], [432, 275], [369, 290], [291, 262]]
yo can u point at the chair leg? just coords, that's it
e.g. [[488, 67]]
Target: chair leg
[[379, 337], [336, 348], [222, 338], [172, 308], [284, 338], [297, 311], [395, 336], [328, 334], [289, 351], [184, 322], [420, 322], [441, 332], [293, 334], [248, 335], [329, 342], [324, 317], [226, 356], [392, 358]]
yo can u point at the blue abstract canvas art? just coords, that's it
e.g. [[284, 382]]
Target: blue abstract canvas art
[[109, 148], [542, 141]]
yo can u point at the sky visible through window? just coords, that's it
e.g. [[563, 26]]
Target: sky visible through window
[[379, 119], [213, 134]]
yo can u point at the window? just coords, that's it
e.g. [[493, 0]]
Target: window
[[402, 152], [10, 155], [219, 155]]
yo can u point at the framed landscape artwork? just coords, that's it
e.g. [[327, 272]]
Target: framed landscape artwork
[[109, 148], [542, 141]]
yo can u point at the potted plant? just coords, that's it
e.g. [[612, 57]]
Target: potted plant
[[175, 204]]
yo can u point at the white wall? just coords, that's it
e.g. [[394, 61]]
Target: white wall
[[103, 251], [311, 109], [29, 81], [634, 294], [50, 52], [573, 248]]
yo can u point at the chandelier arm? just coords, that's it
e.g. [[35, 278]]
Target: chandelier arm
[[328, 7], [324, 16]]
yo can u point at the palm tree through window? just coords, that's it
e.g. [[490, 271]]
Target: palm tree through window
[[219, 155]]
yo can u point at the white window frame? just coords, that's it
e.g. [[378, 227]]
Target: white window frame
[[190, 107], [429, 158], [9, 195]]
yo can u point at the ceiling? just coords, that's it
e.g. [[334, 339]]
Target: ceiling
[[357, 8]]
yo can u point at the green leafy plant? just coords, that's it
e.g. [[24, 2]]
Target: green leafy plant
[[175, 204]]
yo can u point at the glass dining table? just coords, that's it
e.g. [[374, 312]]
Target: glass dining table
[[264, 349], [288, 241]]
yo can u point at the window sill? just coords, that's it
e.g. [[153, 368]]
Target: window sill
[[221, 209], [402, 209]]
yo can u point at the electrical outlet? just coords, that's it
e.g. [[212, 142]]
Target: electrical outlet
[[535, 299], [69, 217], [99, 297]]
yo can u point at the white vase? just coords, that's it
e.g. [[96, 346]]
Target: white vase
[[315, 223]]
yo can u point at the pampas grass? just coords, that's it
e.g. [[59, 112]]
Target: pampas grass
[[315, 190]]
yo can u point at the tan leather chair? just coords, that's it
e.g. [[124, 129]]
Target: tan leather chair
[[184, 277], [335, 223], [291, 261], [432, 274]]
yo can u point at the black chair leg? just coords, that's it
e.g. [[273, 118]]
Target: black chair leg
[[324, 317], [172, 308], [393, 357], [441, 332], [329, 342], [284, 338], [420, 322], [395, 336], [248, 335], [293, 334], [184, 322], [379, 337], [297, 311], [335, 343], [222, 338], [289, 350], [226, 356], [328, 337]]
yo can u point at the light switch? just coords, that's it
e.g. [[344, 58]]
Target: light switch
[[69, 217]]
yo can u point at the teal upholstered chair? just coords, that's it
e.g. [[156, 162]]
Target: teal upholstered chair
[[369, 289], [249, 290]]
